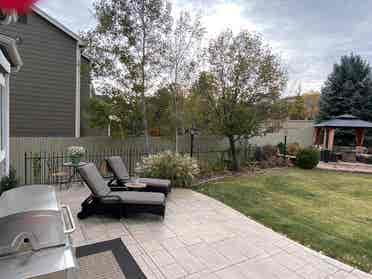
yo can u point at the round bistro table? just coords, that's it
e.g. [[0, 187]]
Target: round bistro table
[[75, 172]]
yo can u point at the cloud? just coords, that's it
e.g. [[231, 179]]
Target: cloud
[[77, 15], [312, 35], [309, 35]]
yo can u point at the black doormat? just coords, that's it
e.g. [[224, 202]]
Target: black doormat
[[97, 259]]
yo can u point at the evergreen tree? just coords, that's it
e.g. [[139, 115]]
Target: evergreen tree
[[348, 90]]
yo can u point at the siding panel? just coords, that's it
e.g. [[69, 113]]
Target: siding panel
[[42, 94]]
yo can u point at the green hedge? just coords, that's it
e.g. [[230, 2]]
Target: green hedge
[[308, 158]]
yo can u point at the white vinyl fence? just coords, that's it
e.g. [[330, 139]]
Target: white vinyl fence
[[204, 146]]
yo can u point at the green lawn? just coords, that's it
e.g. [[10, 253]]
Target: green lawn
[[328, 211]]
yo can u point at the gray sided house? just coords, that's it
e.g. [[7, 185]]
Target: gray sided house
[[10, 62], [51, 91]]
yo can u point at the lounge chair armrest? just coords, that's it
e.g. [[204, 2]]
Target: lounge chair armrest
[[110, 199], [119, 188]]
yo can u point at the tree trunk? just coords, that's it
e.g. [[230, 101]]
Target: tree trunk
[[143, 95], [234, 157], [176, 103], [176, 116], [145, 126]]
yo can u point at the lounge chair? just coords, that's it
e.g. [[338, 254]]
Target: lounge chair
[[104, 200], [121, 176]]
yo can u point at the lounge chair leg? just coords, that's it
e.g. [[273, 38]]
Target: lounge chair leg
[[87, 208], [118, 212]]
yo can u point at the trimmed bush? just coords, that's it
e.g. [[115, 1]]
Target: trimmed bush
[[307, 158], [180, 169], [9, 182]]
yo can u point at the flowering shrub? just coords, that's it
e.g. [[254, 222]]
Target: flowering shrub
[[76, 151], [180, 169]]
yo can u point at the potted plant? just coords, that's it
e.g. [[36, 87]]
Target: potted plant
[[75, 153]]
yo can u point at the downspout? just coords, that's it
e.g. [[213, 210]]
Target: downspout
[[77, 99], [7, 124]]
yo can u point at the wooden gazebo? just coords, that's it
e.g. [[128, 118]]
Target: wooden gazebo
[[343, 121]]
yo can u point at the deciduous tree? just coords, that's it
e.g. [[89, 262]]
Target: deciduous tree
[[128, 46], [245, 78], [183, 55]]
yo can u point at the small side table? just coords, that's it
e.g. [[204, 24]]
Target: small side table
[[75, 172], [135, 186]]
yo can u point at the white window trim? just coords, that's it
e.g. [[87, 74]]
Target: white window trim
[[4, 81]]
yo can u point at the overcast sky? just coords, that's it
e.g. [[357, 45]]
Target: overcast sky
[[310, 35]]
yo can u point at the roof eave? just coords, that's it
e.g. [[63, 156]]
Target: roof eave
[[59, 25], [342, 126]]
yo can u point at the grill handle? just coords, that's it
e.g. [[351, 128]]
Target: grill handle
[[70, 219]]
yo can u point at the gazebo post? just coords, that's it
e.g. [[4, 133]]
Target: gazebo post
[[325, 138], [331, 138], [359, 136], [316, 136]]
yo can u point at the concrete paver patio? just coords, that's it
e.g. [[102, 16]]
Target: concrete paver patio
[[203, 238]]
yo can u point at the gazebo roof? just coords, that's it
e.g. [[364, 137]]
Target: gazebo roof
[[345, 121]]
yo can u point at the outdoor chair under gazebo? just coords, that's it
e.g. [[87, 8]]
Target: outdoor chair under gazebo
[[344, 121]]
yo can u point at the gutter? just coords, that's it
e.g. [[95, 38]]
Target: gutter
[[78, 91]]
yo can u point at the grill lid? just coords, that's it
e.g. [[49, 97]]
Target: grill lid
[[31, 215], [28, 198]]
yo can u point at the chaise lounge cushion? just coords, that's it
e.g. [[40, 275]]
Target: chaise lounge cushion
[[120, 171], [99, 188], [117, 166], [141, 198], [94, 180]]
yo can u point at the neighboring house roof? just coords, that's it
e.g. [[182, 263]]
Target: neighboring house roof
[[345, 121], [57, 24]]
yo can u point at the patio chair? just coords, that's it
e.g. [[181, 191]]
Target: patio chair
[[104, 200], [58, 174], [121, 176]]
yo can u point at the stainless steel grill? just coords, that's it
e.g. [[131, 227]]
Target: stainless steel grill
[[34, 235]]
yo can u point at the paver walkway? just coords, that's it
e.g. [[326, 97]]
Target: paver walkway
[[346, 167], [202, 238]]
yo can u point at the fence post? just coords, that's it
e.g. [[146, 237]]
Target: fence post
[[25, 168], [130, 160]]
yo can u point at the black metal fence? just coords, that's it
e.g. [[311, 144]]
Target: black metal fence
[[49, 167]]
